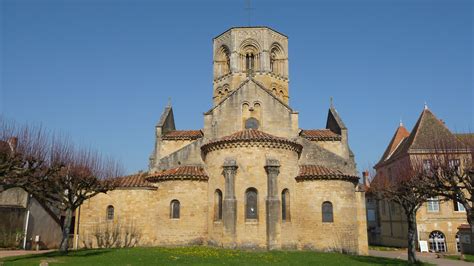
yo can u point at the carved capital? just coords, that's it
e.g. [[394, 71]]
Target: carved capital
[[230, 167], [272, 167]]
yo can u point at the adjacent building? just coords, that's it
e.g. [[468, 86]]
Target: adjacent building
[[437, 220]]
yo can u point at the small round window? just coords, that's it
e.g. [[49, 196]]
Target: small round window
[[251, 123]]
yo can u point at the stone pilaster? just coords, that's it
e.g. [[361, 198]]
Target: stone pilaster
[[272, 168], [229, 217]]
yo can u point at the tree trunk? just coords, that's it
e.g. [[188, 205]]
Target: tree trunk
[[470, 216], [411, 217], [66, 228]]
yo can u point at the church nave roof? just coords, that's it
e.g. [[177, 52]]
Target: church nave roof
[[179, 173], [315, 172], [183, 135], [319, 134]]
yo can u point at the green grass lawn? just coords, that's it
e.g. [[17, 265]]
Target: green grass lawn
[[196, 256], [384, 248], [469, 258]]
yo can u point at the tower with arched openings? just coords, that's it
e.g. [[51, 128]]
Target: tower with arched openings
[[258, 51]]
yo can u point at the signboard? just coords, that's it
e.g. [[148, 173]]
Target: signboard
[[423, 246]]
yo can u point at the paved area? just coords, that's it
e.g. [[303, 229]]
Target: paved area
[[425, 257], [10, 253]]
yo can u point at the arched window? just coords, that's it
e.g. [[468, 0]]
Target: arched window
[[437, 242], [222, 61], [277, 59], [218, 205], [174, 209], [249, 61], [251, 204], [285, 205], [251, 123], [458, 243], [110, 213], [327, 212]]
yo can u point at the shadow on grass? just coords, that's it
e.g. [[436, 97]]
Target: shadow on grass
[[54, 254], [381, 261]]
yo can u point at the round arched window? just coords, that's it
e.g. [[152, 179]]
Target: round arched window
[[252, 123]]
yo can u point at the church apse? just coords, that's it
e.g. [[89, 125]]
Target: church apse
[[230, 183]]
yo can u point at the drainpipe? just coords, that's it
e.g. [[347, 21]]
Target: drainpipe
[[27, 220]]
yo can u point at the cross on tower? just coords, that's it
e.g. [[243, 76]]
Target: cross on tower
[[249, 9]]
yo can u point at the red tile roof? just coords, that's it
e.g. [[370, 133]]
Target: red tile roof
[[179, 173], [249, 136], [313, 172], [183, 135], [428, 134], [397, 138], [319, 134], [134, 181], [464, 226]]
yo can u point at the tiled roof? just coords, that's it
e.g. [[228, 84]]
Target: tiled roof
[[466, 138], [134, 181], [428, 135], [464, 226], [249, 136], [4, 147], [179, 173], [319, 134], [397, 138], [313, 172], [183, 135]]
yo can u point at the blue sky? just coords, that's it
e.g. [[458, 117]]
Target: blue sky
[[102, 71]]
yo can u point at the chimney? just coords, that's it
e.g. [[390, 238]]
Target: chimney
[[365, 175], [13, 142]]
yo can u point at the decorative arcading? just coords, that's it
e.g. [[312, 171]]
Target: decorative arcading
[[318, 172], [251, 138], [179, 173]]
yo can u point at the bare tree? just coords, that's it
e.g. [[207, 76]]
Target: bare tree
[[52, 169], [410, 188], [453, 174], [23, 154], [83, 174]]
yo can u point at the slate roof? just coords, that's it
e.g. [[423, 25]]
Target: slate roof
[[183, 135], [134, 181], [179, 173], [319, 134], [318, 172]]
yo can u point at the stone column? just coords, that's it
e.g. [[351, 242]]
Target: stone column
[[272, 168], [229, 217]]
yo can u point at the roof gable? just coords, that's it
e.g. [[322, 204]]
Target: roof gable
[[429, 133], [334, 121], [400, 134], [167, 120], [259, 85]]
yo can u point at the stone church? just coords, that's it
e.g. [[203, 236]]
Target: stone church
[[250, 178]]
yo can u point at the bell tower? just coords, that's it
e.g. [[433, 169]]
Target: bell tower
[[257, 51]]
